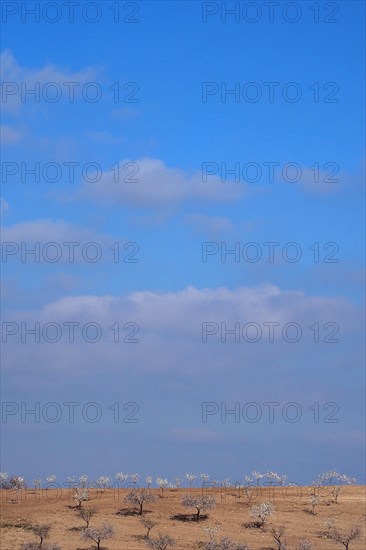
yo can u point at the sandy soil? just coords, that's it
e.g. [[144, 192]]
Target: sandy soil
[[231, 514]]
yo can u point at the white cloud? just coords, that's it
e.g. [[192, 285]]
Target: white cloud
[[9, 135], [170, 332], [4, 206], [210, 225], [45, 231], [155, 185], [12, 72]]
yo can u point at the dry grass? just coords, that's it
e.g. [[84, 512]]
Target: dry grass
[[231, 514]]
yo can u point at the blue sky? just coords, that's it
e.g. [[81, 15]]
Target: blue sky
[[163, 62]]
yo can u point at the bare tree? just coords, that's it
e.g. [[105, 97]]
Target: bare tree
[[41, 531], [97, 535], [138, 497], [148, 524], [162, 542], [344, 537], [262, 511], [200, 503], [86, 514], [278, 533]]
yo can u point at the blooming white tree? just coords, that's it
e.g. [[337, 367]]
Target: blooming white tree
[[162, 483], [103, 482], [148, 481], [121, 477], [262, 511], [257, 476], [37, 483], [134, 479], [190, 478], [314, 501], [177, 482], [83, 480], [81, 495], [51, 478], [334, 480], [275, 478], [205, 478], [4, 476]]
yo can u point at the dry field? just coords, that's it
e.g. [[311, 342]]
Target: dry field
[[58, 509]]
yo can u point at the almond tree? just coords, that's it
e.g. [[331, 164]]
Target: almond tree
[[190, 478], [134, 479], [205, 478], [41, 531], [314, 501], [81, 495], [257, 476], [103, 482], [97, 535], [148, 524], [263, 511], [334, 480], [278, 534], [37, 483], [162, 542], [306, 545], [4, 476], [121, 477], [138, 497], [177, 482], [344, 537], [51, 479], [201, 503], [224, 544], [163, 483], [86, 514]]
